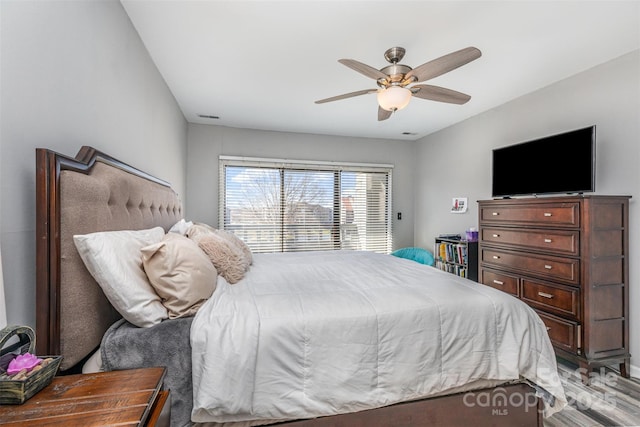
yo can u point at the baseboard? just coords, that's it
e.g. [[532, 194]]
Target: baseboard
[[635, 371]]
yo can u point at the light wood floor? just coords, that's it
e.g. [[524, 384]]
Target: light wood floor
[[610, 400]]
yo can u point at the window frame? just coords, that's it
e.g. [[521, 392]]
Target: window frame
[[311, 165]]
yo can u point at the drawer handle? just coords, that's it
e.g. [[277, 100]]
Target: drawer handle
[[495, 213], [496, 257], [495, 235], [547, 240], [548, 267], [547, 214], [545, 295], [498, 282]]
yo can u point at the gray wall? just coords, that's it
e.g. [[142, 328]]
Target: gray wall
[[74, 73], [206, 143], [607, 96]]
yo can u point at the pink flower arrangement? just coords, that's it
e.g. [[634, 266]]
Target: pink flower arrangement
[[24, 361]]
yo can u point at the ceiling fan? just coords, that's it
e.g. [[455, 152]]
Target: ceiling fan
[[395, 80]]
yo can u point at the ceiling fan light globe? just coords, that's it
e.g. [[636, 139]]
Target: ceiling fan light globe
[[394, 98]]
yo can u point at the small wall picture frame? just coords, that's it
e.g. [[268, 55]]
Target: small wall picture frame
[[459, 205]]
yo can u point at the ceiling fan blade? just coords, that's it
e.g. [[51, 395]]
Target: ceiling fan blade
[[440, 94], [364, 69], [383, 114], [442, 65], [346, 95]]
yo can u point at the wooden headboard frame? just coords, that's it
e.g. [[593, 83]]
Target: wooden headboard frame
[[89, 193]]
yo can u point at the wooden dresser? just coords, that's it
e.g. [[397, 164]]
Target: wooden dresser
[[567, 258]]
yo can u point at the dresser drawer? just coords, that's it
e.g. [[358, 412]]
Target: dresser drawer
[[542, 214], [557, 268], [550, 297], [562, 333], [557, 241], [499, 280]]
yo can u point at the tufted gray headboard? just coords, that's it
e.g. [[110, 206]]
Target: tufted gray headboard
[[89, 193]]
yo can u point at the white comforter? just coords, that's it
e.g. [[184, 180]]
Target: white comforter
[[313, 334]]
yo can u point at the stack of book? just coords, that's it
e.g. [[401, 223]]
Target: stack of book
[[451, 257]]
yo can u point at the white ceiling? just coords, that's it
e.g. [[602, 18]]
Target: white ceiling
[[262, 64]]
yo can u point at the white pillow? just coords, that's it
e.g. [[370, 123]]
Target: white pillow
[[181, 227], [113, 258]]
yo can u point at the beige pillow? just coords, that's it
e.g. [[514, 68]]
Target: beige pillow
[[199, 229], [232, 238], [181, 274], [225, 256]]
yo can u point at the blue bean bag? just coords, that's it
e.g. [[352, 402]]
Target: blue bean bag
[[420, 255]]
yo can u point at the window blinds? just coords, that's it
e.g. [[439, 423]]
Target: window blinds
[[280, 206]]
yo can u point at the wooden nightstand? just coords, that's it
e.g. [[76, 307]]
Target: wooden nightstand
[[129, 397]]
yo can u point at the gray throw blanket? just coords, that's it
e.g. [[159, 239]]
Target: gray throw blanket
[[125, 346]]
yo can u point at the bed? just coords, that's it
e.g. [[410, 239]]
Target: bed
[[302, 339]]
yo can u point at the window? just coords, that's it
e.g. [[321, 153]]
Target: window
[[282, 206]]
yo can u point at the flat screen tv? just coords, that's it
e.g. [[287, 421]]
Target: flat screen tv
[[563, 163]]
